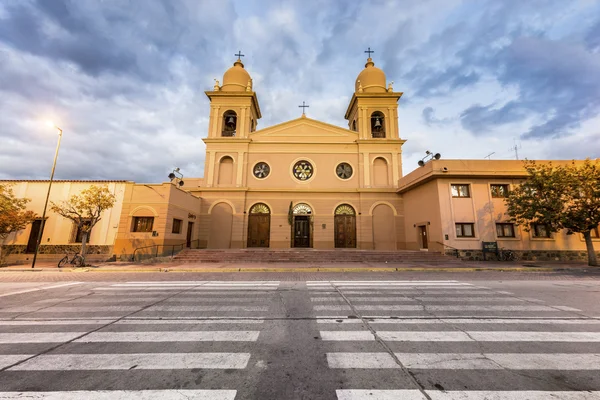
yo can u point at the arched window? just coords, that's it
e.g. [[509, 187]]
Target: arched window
[[260, 208], [229, 123], [377, 125], [344, 209]]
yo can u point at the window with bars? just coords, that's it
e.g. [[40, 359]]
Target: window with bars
[[460, 190], [499, 191], [177, 223], [142, 224], [465, 229], [540, 230], [505, 230]]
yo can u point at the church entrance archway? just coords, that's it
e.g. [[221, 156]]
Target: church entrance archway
[[259, 226], [384, 228], [302, 225], [221, 219], [345, 226]]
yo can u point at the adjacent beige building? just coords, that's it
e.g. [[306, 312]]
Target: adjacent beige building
[[307, 184]]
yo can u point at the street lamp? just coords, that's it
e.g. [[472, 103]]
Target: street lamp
[[39, 238]]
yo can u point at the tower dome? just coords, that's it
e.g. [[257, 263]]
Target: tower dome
[[371, 79], [236, 78]]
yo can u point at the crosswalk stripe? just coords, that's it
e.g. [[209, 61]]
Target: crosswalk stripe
[[416, 299], [469, 361], [358, 394], [174, 394], [169, 361], [322, 283], [390, 284], [38, 337], [207, 308], [468, 336], [10, 359], [171, 336], [370, 394], [403, 291], [40, 288], [145, 321], [439, 308], [428, 320]]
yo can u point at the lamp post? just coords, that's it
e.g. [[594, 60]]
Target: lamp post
[[39, 238]]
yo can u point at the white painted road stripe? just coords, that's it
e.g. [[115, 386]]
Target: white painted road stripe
[[400, 291], [362, 394], [168, 361], [207, 308], [174, 394], [391, 284], [380, 320], [456, 361], [371, 394], [416, 299], [63, 309], [38, 337], [181, 336], [10, 359], [457, 336], [41, 288], [205, 320], [436, 308]]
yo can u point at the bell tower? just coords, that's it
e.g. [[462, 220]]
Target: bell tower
[[373, 114], [234, 115], [234, 109]]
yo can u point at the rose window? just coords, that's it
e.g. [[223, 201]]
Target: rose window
[[261, 170], [303, 170], [344, 170]]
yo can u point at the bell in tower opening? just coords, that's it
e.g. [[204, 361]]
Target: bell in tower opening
[[229, 123], [377, 125]]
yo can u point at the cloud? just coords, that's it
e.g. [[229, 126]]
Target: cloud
[[126, 82]]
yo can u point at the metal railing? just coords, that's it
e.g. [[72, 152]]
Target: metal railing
[[456, 251], [168, 250]]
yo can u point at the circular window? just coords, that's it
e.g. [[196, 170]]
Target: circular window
[[343, 170], [261, 170], [303, 170]]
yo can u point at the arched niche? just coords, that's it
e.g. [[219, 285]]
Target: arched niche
[[380, 172], [377, 125], [384, 228], [221, 221], [225, 171]]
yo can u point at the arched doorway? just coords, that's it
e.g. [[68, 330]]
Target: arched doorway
[[302, 225], [345, 226], [259, 226], [384, 228], [221, 219]]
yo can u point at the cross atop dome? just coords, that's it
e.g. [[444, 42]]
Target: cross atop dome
[[369, 51], [239, 55]]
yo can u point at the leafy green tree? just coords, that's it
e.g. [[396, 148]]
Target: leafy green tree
[[85, 210], [13, 214], [560, 197]]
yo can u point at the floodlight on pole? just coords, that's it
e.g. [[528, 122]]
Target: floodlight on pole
[[428, 157], [39, 238]]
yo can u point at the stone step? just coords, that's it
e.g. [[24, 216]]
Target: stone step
[[312, 256]]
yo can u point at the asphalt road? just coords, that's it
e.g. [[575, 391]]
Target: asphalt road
[[471, 336]]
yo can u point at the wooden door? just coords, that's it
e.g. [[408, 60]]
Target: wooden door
[[259, 230], [33, 235], [301, 231], [188, 240], [423, 236], [345, 231]]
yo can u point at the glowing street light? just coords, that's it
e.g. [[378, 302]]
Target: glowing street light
[[39, 238]]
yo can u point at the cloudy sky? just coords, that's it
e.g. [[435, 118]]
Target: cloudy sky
[[125, 79]]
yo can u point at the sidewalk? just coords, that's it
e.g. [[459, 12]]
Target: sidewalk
[[467, 266]]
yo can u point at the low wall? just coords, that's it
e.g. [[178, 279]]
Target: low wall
[[525, 255], [16, 253]]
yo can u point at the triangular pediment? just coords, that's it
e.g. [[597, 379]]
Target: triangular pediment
[[304, 130]]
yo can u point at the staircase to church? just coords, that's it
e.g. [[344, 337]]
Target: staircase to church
[[313, 256]]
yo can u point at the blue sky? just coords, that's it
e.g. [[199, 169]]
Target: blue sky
[[126, 79]]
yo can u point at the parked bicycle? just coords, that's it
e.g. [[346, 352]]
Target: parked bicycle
[[508, 255], [75, 260]]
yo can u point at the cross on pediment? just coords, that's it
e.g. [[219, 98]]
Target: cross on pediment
[[304, 107]]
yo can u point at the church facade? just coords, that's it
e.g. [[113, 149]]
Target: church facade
[[307, 184]]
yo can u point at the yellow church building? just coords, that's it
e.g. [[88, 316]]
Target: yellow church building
[[307, 184]]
